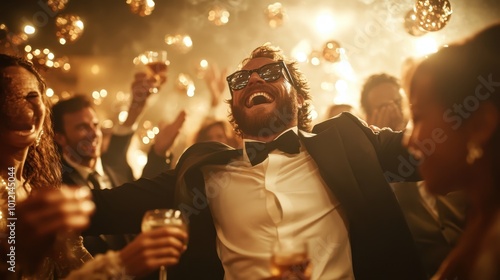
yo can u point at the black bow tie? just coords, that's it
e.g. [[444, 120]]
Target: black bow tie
[[257, 151]]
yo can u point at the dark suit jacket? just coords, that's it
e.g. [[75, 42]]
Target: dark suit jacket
[[354, 162], [434, 236]]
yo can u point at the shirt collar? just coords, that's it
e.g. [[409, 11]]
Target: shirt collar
[[85, 171]]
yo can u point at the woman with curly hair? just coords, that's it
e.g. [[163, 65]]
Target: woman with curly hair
[[30, 168], [39, 219]]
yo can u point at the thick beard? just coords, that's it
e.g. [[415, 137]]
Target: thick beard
[[264, 125]]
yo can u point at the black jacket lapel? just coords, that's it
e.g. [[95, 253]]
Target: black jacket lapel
[[70, 176]]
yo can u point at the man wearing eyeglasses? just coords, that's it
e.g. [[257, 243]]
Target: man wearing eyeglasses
[[327, 186]]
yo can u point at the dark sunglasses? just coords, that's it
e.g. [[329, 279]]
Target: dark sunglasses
[[269, 73]]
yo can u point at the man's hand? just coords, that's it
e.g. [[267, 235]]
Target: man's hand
[[387, 115], [216, 83], [152, 249], [168, 133], [141, 90], [143, 83]]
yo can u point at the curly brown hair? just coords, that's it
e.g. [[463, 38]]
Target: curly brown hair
[[299, 80], [42, 167]]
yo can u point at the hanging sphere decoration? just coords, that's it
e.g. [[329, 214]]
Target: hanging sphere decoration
[[275, 15], [141, 7], [411, 24], [432, 15], [331, 51], [69, 28], [57, 5]]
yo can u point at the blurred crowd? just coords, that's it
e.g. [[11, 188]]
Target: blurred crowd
[[405, 187]]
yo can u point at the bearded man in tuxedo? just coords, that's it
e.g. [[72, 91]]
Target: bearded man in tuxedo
[[328, 185]]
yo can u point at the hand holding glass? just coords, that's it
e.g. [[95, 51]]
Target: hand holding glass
[[163, 218], [156, 62], [290, 260]]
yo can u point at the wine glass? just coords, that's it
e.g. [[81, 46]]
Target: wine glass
[[163, 218], [290, 260], [156, 62]]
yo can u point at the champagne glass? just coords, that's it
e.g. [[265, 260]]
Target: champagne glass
[[290, 260], [156, 62], [163, 218]]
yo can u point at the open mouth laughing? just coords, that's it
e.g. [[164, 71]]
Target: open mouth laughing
[[22, 129], [258, 98], [25, 131]]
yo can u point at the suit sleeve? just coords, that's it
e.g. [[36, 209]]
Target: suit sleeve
[[120, 210], [156, 164], [396, 162], [394, 159]]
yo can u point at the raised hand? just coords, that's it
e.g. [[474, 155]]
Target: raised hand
[[215, 80], [141, 90], [387, 115], [168, 133]]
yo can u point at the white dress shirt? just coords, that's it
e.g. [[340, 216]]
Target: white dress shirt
[[282, 197]]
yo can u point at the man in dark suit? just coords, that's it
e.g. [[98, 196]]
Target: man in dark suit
[[328, 187], [79, 137]]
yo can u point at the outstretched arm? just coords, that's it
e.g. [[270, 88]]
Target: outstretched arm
[[116, 154], [120, 210]]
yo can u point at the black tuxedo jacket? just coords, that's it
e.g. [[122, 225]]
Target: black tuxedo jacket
[[355, 163]]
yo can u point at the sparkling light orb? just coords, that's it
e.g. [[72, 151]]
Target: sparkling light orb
[[425, 46], [325, 23], [57, 5], [275, 15], [315, 58], [172, 39], [141, 7], [218, 15], [4, 31], [432, 15], [201, 68], [49, 92], [43, 59], [69, 28], [29, 29], [181, 42], [184, 84], [332, 51]]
